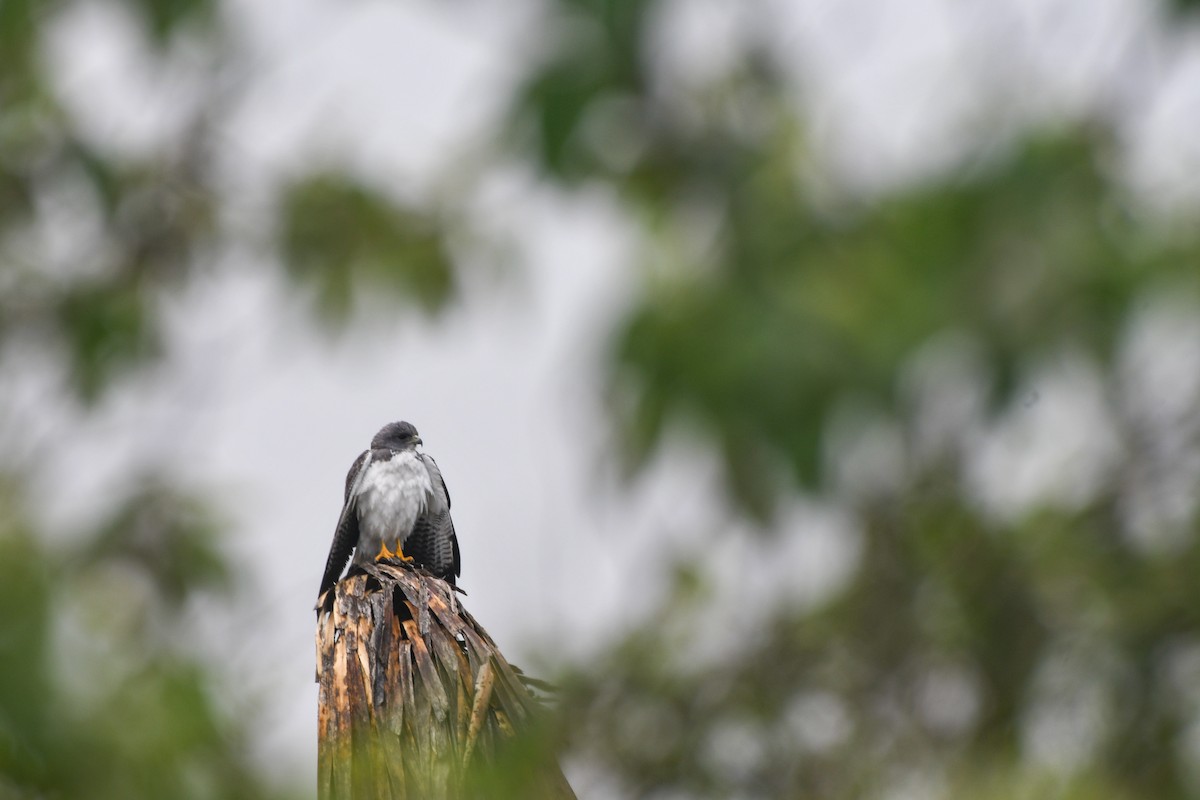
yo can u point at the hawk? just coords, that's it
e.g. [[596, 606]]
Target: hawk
[[395, 498]]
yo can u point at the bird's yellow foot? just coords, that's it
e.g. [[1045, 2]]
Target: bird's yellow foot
[[384, 553]]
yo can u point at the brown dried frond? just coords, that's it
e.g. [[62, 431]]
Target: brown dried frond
[[416, 700]]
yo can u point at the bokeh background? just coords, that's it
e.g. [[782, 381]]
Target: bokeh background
[[817, 381]]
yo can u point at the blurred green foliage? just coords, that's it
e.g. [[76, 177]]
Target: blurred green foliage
[[341, 237], [844, 701], [797, 311], [596, 56], [100, 697], [155, 214], [164, 17], [969, 654]]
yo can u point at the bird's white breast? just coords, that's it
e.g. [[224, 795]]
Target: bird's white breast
[[392, 495]]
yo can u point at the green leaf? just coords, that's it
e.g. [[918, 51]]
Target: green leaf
[[25, 595], [342, 238], [108, 329], [164, 17], [598, 56], [170, 536]]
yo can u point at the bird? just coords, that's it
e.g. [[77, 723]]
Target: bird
[[395, 497]]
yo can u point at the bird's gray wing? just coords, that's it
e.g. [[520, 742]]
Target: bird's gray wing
[[433, 543], [345, 536]]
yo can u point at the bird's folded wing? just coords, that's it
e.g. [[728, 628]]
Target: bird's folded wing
[[345, 536], [433, 533]]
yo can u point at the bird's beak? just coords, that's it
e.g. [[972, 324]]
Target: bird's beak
[[417, 440]]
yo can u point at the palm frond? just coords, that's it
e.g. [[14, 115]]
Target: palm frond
[[416, 700]]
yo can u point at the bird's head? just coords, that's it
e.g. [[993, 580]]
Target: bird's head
[[396, 436]]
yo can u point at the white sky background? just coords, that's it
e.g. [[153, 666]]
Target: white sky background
[[505, 387]]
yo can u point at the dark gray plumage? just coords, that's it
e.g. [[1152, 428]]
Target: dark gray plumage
[[395, 498]]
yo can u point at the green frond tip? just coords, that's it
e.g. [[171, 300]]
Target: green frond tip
[[416, 700]]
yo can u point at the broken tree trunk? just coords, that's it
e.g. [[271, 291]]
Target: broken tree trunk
[[416, 700]]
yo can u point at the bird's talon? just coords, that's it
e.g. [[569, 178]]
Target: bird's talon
[[399, 554], [387, 555]]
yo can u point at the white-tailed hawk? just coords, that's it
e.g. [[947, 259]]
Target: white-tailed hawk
[[396, 505]]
